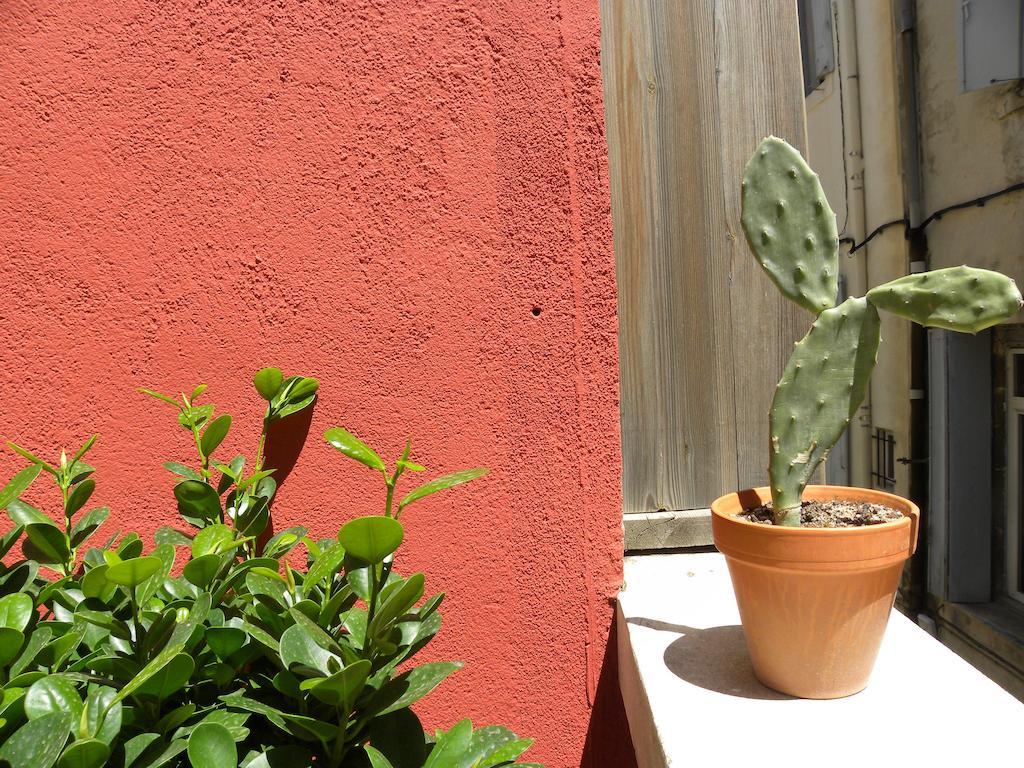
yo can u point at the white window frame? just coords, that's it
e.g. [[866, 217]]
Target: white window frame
[[1014, 508]]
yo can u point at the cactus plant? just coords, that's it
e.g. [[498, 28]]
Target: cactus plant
[[792, 233], [789, 225]]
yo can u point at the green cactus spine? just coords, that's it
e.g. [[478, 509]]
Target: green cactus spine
[[823, 385], [963, 299], [789, 225]]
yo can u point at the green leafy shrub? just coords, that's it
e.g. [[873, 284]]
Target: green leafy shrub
[[107, 658]]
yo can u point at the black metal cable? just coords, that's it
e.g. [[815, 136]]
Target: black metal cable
[[977, 202]]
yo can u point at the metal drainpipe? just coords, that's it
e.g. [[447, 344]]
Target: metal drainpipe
[[857, 272], [914, 591]]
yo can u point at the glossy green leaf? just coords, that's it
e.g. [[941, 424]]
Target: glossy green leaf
[[259, 487], [85, 448], [195, 416], [131, 573], [252, 517], [158, 632], [88, 524], [23, 513], [18, 484], [79, 472], [353, 447], [170, 679], [201, 571], [129, 547], [38, 743], [296, 394], [324, 566], [450, 747], [301, 726], [261, 636], [398, 602], [230, 473], [36, 642], [316, 632], [182, 471], [158, 396], [79, 496], [175, 718], [431, 605], [411, 686], [102, 717], [233, 721], [175, 645], [60, 649], [15, 611], [210, 746], [224, 641], [494, 745], [11, 641], [298, 646], [377, 760], [167, 535], [214, 434], [440, 484], [263, 581], [283, 756], [90, 753], [137, 746], [371, 539], [213, 539], [48, 542], [267, 382], [95, 584], [20, 577], [154, 753], [303, 387], [342, 688], [51, 694], [283, 542], [9, 539], [148, 588], [12, 704], [357, 575], [355, 622], [197, 502], [104, 620]]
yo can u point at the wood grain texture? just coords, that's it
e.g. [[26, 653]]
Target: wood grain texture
[[691, 87]]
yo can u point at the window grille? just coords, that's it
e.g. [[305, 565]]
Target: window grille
[[883, 459]]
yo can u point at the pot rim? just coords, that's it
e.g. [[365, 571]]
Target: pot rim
[[801, 547], [904, 506]]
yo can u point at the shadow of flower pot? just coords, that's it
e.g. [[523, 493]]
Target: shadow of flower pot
[[715, 659]]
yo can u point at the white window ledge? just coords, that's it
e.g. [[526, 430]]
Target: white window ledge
[[690, 693]]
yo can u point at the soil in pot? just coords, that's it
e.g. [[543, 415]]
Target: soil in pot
[[829, 514]]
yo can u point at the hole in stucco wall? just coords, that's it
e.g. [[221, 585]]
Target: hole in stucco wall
[[535, 311]]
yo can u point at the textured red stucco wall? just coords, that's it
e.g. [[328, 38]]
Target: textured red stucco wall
[[379, 194]]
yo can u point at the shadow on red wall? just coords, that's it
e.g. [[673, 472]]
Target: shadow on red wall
[[285, 440], [608, 743]]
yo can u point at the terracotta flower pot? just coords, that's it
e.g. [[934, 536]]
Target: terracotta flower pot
[[814, 601]]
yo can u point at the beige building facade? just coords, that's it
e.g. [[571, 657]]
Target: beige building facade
[[915, 116]]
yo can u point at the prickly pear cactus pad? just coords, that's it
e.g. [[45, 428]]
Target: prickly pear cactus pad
[[961, 299], [789, 225], [823, 385]]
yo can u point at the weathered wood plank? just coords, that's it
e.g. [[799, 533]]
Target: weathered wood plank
[[690, 88], [760, 90]]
